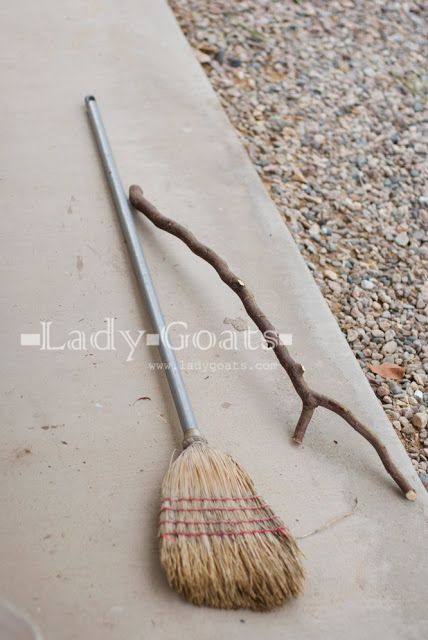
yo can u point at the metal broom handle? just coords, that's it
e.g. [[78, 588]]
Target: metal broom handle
[[145, 283]]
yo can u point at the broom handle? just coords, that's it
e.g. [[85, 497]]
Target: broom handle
[[145, 283]]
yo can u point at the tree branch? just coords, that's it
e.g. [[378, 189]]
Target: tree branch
[[310, 399]]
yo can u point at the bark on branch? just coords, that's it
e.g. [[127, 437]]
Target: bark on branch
[[311, 399]]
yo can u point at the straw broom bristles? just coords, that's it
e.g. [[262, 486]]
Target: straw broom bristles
[[221, 545]]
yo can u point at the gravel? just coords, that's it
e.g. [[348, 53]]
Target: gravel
[[330, 101]]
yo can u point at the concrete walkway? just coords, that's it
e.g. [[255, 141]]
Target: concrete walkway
[[82, 462]]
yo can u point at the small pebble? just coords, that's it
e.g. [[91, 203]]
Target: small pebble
[[368, 285], [402, 239], [382, 390], [234, 62], [389, 347], [332, 275], [395, 388], [352, 335], [420, 420]]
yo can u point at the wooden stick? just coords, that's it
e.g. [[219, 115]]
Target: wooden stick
[[311, 399]]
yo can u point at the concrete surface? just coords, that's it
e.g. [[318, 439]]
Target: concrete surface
[[81, 461]]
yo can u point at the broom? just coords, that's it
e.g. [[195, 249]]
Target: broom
[[221, 545]]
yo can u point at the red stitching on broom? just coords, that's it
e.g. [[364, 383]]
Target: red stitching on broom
[[210, 499], [263, 506], [221, 533], [219, 521]]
